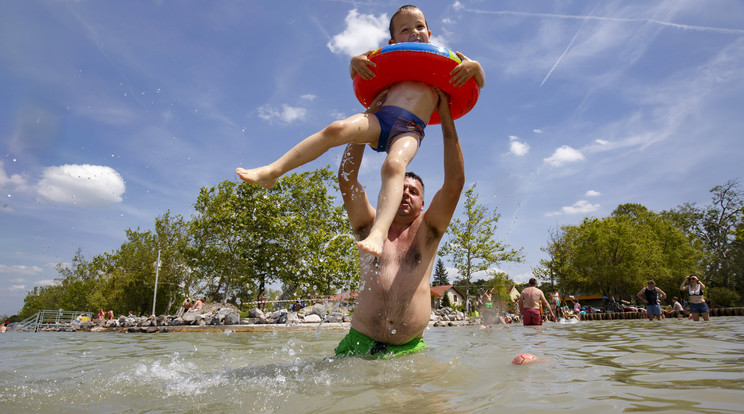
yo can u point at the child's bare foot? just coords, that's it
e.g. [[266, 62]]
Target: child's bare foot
[[256, 176], [372, 245]]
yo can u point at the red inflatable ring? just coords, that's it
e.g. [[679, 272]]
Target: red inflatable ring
[[433, 64]]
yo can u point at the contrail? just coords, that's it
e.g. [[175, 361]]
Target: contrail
[[569, 45], [613, 19]]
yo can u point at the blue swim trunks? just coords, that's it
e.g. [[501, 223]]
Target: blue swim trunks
[[395, 121]]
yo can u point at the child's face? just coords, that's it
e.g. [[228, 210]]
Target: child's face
[[410, 26]]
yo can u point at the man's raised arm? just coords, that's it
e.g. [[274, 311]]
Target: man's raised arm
[[360, 211], [445, 201]]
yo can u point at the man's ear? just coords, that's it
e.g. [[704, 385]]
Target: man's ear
[[391, 42]]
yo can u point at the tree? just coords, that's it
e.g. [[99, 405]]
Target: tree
[[617, 254], [715, 226], [471, 244], [245, 237], [440, 274]]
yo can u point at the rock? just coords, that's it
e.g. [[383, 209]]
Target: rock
[[318, 309], [334, 318], [232, 318], [256, 313], [312, 319], [190, 317], [292, 318]]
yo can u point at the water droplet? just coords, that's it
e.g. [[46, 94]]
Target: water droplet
[[393, 331]]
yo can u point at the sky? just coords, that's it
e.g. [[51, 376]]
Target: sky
[[113, 113]]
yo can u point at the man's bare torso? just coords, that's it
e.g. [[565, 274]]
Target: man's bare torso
[[531, 297], [394, 297]]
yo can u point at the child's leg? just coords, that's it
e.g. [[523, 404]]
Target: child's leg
[[360, 128], [393, 172]]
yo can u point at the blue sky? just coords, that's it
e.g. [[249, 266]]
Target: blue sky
[[113, 113]]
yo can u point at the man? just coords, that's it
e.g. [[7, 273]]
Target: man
[[529, 302], [394, 296], [652, 297]]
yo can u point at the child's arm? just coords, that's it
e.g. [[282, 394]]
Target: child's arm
[[361, 65], [467, 69]]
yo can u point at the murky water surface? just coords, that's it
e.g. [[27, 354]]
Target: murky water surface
[[595, 367]]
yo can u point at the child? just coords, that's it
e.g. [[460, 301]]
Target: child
[[396, 128]]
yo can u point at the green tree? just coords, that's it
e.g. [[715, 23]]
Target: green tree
[[440, 274], [71, 291], [715, 225], [245, 237], [471, 243], [618, 254]]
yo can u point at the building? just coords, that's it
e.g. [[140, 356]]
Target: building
[[438, 292]]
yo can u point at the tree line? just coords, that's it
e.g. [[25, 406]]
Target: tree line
[[242, 239], [615, 256]]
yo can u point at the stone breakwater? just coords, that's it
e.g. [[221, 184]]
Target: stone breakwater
[[217, 317]]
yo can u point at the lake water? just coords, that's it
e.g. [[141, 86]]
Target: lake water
[[595, 367]]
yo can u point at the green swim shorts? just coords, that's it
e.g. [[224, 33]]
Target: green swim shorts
[[356, 343]]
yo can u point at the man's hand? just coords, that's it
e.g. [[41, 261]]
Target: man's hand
[[443, 106], [378, 101]]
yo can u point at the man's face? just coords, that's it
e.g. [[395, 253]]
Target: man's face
[[410, 26], [413, 198]]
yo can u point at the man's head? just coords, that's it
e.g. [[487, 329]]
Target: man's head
[[408, 24], [533, 281], [412, 202], [651, 283]]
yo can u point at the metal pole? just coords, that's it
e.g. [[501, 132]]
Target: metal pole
[[157, 272]]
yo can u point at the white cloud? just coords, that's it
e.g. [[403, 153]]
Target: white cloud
[[47, 282], [19, 271], [308, 97], [564, 155], [592, 193], [601, 141], [537, 131], [287, 114], [579, 207], [15, 182], [518, 148], [362, 32], [16, 288], [83, 185]]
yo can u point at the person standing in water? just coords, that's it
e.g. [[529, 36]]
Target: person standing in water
[[695, 288], [652, 297], [394, 296]]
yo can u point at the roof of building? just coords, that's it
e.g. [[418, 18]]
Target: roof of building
[[439, 291]]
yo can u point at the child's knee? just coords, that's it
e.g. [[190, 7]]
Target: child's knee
[[336, 129], [393, 166]]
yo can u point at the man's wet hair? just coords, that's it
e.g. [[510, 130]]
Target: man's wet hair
[[416, 177], [402, 8]]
